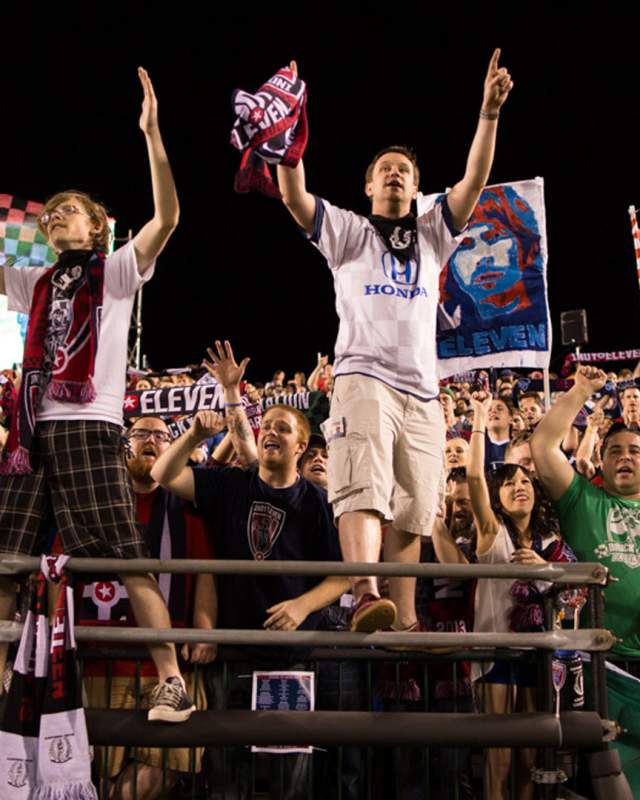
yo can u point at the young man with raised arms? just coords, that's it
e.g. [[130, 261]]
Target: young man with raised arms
[[64, 452], [386, 432]]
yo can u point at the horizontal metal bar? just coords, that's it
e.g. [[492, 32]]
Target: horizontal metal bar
[[232, 654], [579, 729], [557, 572], [586, 639]]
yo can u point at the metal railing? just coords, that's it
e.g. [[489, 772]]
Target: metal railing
[[581, 729]]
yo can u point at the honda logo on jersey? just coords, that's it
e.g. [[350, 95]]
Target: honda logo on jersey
[[405, 274], [263, 528]]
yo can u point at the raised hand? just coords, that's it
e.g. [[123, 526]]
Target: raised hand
[[481, 401], [223, 365], [595, 420], [207, 424], [497, 85], [590, 379], [149, 114]]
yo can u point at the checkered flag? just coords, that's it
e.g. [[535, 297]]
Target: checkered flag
[[20, 239]]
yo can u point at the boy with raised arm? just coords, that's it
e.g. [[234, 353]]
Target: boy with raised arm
[[64, 454], [386, 431]]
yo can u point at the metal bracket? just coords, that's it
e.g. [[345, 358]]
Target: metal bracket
[[548, 777]]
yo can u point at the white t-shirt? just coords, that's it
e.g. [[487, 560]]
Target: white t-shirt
[[387, 309], [121, 281], [493, 598]]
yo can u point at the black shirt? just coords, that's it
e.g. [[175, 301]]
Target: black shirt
[[253, 520]]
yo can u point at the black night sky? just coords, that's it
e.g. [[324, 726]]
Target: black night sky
[[236, 267]]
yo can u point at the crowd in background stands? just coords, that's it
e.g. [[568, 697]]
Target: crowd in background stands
[[507, 416]]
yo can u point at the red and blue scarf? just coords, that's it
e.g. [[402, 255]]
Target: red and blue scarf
[[60, 348], [271, 128]]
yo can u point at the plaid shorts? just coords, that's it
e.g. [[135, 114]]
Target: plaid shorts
[[80, 487]]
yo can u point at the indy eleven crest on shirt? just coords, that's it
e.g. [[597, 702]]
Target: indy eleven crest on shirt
[[623, 537], [263, 528]]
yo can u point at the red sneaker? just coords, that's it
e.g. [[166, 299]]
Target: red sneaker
[[372, 613]]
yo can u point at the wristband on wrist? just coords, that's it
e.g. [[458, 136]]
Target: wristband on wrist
[[233, 405], [492, 115], [481, 432]]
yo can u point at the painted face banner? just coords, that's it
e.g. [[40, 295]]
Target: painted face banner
[[493, 308]]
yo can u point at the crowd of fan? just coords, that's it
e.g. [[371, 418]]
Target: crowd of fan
[[503, 412]]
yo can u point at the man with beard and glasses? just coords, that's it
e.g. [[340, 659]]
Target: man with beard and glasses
[[63, 455], [386, 433]]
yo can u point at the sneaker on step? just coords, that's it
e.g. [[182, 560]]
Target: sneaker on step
[[170, 702]]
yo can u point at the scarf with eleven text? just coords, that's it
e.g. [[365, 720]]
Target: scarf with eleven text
[[271, 128], [60, 348]]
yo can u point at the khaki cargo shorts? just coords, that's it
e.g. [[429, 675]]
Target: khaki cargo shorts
[[386, 453]]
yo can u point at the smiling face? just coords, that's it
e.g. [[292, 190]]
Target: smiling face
[[621, 464], [281, 440], [517, 495]]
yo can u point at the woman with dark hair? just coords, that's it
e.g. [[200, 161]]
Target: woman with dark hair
[[514, 524]]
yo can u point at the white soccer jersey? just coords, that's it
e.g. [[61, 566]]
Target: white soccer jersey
[[387, 309]]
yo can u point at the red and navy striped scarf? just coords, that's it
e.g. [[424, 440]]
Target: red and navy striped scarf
[[271, 128], [60, 348]]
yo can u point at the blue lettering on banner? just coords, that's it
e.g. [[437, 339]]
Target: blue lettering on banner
[[504, 338], [388, 289]]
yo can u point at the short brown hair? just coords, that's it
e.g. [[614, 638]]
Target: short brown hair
[[96, 211], [614, 430], [395, 148], [531, 396], [304, 426]]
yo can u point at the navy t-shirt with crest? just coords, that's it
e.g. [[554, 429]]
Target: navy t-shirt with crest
[[252, 520]]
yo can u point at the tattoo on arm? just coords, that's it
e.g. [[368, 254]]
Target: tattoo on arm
[[240, 426]]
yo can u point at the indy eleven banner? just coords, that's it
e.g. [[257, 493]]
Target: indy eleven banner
[[185, 401], [493, 309]]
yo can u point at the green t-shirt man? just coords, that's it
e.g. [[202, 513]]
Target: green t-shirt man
[[606, 528]]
